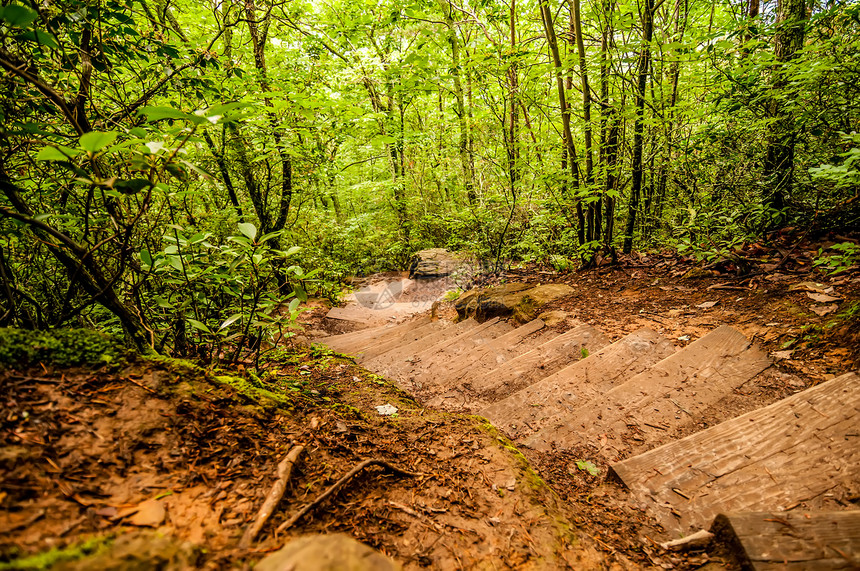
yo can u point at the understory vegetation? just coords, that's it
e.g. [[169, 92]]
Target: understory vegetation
[[186, 174]]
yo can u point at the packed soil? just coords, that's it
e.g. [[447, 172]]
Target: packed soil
[[165, 464]]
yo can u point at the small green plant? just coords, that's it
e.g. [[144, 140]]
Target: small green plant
[[452, 295], [561, 263], [583, 353], [846, 256], [586, 466]]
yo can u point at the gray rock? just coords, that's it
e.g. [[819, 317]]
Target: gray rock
[[435, 263], [334, 552]]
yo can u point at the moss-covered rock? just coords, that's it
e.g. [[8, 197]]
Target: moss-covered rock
[[518, 299]]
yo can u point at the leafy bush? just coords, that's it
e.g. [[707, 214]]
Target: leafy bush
[[60, 347]]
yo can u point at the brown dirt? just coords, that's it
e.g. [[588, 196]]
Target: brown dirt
[[82, 449]]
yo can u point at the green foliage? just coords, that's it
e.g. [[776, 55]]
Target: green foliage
[[158, 175], [50, 558], [587, 466], [846, 255], [60, 348]]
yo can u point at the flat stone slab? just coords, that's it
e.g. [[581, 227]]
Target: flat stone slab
[[791, 452], [794, 541], [647, 409], [554, 398]]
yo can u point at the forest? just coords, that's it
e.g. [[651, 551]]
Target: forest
[[186, 174]]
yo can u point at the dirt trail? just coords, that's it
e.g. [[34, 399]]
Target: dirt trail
[[99, 460], [713, 374]]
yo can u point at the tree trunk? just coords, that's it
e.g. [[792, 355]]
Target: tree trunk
[[513, 135], [639, 125], [463, 147], [569, 147], [779, 160], [593, 231]]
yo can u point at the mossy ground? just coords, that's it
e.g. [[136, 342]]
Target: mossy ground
[[60, 348]]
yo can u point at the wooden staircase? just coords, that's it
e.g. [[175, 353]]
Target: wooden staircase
[[636, 400]]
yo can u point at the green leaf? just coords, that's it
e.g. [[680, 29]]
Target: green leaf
[[40, 37], [301, 294], [587, 466], [18, 16], [96, 140], [159, 113], [230, 320], [294, 304], [248, 229], [145, 257], [199, 325], [58, 153]]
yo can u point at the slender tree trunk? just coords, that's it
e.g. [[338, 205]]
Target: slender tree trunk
[[576, 28], [779, 160], [513, 135], [639, 125], [259, 31], [225, 172], [569, 147], [608, 129], [463, 147]]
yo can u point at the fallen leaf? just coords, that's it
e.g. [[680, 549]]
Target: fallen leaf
[[822, 297], [823, 310], [780, 355], [807, 286], [707, 304], [150, 513], [108, 511], [684, 338]]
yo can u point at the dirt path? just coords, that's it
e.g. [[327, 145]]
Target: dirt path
[[163, 462]]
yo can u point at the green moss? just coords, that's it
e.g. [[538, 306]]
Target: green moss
[[60, 347], [529, 476], [261, 396], [48, 559]]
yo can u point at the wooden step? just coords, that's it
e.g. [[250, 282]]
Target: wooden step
[[463, 342], [357, 340], [423, 372], [790, 452], [539, 363], [797, 540], [647, 409], [378, 347], [492, 353], [389, 363], [454, 376], [552, 399], [378, 315]]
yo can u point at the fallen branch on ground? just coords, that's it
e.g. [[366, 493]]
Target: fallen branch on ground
[[285, 469], [696, 540], [338, 485]]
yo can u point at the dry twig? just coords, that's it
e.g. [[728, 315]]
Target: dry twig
[[338, 485], [285, 469]]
